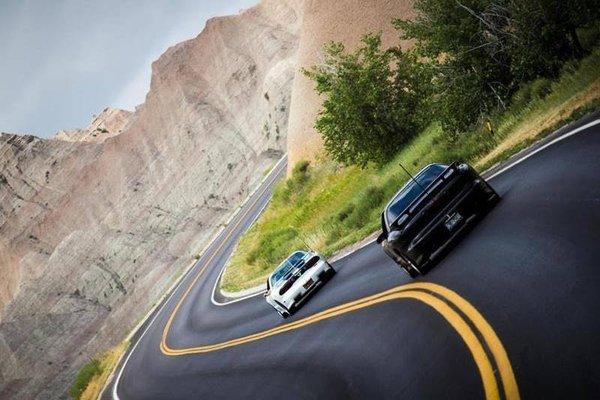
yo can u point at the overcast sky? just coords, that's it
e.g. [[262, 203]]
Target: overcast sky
[[62, 61]]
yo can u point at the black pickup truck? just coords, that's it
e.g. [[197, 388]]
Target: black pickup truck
[[430, 211]]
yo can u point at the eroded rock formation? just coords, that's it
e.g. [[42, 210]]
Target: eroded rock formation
[[110, 122], [96, 223]]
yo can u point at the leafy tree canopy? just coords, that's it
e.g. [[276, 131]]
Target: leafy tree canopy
[[469, 58], [483, 50], [373, 100]]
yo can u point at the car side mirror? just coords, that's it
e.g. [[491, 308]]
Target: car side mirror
[[382, 236], [265, 294]]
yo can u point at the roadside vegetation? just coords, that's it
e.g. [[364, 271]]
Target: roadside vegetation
[[93, 376], [484, 80]]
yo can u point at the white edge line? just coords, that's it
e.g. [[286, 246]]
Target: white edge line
[[355, 250], [115, 385], [261, 291], [502, 170], [184, 275], [264, 179], [212, 296], [556, 140]]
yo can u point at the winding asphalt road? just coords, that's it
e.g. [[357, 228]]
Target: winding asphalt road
[[511, 312]]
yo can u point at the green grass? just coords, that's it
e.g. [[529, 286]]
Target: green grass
[[84, 377], [327, 207], [94, 375]]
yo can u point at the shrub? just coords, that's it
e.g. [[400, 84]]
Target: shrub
[[590, 35], [541, 87], [522, 97], [300, 175], [301, 168], [86, 373], [273, 247], [294, 185], [345, 212], [370, 199]]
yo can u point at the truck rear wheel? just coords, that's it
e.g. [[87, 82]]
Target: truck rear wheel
[[410, 271], [408, 267]]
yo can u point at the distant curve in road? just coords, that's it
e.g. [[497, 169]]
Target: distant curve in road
[[523, 286]]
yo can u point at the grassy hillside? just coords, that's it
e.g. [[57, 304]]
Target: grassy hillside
[[327, 206]]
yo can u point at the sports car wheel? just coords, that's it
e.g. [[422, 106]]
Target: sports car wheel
[[283, 314]]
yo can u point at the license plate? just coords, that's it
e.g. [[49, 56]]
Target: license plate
[[453, 220], [308, 284]]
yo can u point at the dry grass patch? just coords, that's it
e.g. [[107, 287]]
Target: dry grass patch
[[108, 362], [537, 124]]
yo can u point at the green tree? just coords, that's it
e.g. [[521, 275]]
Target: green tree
[[373, 102], [472, 72], [483, 50], [546, 34]]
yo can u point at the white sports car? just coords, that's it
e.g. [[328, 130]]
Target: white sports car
[[294, 279]]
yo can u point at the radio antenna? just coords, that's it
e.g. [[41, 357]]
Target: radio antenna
[[411, 177]]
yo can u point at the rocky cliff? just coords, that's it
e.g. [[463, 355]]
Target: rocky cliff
[[96, 223], [110, 122]]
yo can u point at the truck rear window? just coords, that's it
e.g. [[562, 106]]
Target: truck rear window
[[411, 191]]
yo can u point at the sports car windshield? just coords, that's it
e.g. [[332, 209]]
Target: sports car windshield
[[282, 270], [411, 190]]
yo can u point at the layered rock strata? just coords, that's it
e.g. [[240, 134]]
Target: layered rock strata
[[93, 229]]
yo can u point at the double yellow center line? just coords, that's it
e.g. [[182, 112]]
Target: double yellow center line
[[437, 297], [443, 300]]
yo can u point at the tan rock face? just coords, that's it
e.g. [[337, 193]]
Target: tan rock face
[[110, 122], [94, 228], [324, 21]]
